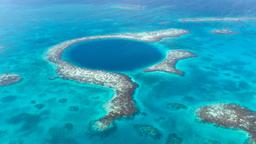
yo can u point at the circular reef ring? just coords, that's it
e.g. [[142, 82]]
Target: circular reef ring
[[121, 104]]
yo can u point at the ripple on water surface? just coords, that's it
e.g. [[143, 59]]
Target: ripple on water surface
[[113, 54]]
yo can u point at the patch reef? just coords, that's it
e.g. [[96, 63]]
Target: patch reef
[[169, 63], [8, 79], [230, 116], [222, 31], [218, 19], [121, 104]]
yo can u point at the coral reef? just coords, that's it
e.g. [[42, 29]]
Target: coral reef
[[8, 79], [39, 106], [73, 108], [148, 130], [169, 63], [173, 138], [230, 116], [217, 19], [69, 126], [222, 31], [61, 135], [128, 7], [121, 104], [176, 106], [63, 100]]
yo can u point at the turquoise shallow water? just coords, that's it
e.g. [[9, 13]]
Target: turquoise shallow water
[[224, 71]]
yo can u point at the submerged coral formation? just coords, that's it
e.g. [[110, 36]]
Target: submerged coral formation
[[176, 106], [128, 7], [222, 31], [121, 104], [230, 116], [217, 19], [148, 130], [8, 79], [173, 138], [169, 63]]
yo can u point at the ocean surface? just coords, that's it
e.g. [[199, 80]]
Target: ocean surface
[[113, 55], [43, 109]]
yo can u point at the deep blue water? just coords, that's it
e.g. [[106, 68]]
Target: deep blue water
[[223, 71], [113, 54]]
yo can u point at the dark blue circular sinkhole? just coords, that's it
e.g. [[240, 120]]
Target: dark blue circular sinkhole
[[112, 54]]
